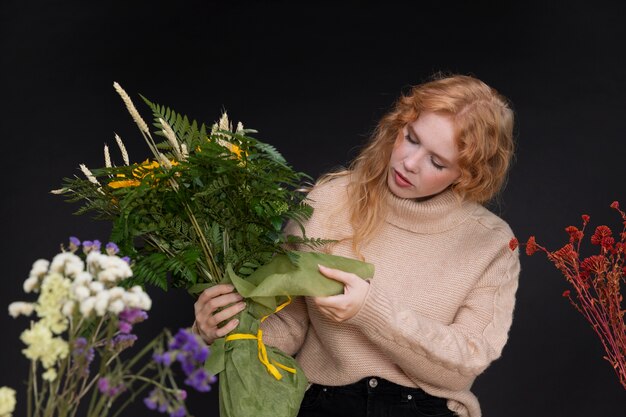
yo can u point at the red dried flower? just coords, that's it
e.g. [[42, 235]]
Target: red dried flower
[[595, 281], [567, 252], [574, 234], [607, 243], [596, 264], [600, 234], [531, 246], [513, 244]]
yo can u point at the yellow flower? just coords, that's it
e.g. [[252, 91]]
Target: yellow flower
[[50, 375], [124, 183], [42, 346], [55, 290], [7, 401], [235, 149], [139, 173]]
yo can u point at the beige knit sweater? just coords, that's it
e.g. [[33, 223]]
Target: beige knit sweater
[[438, 309]]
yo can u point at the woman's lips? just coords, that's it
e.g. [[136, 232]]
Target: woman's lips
[[401, 181]]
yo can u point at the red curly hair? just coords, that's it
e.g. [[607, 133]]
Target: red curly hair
[[483, 122]]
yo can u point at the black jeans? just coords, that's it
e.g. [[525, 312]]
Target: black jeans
[[371, 397]]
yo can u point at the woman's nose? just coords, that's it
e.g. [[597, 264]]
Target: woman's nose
[[412, 162]]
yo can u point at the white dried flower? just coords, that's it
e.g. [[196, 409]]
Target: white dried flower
[[21, 308], [68, 264], [96, 287], [83, 278], [131, 299], [81, 292], [87, 305], [59, 191], [88, 174], [107, 157], [40, 268], [143, 300], [31, 284], [145, 303], [68, 308], [171, 137], [102, 302], [116, 306], [224, 123], [120, 144], [239, 128], [132, 109], [165, 163], [184, 150], [116, 292]]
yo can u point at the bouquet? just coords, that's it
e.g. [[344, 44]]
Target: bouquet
[[596, 283], [209, 207], [85, 323]]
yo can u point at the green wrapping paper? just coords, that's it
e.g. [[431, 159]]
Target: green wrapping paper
[[246, 387]]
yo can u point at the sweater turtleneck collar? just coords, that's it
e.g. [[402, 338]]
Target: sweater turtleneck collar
[[437, 214]]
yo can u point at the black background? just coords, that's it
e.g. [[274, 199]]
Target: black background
[[313, 78]]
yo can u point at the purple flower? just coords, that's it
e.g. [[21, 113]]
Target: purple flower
[[74, 243], [106, 388], [182, 395], [81, 356], [199, 380], [125, 327], [87, 246], [103, 385], [179, 412], [133, 315], [129, 317], [96, 245], [164, 359], [126, 259], [150, 403], [112, 249], [123, 341], [188, 367], [201, 354]]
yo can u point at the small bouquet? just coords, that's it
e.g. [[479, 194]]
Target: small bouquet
[[85, 323], [209, 207], [596, 283]]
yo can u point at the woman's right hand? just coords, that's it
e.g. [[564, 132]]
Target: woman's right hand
[[208, 318]]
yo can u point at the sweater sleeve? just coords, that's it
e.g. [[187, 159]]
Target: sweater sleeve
[[287, 329], [449, 355]]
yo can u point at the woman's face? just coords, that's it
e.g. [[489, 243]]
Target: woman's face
[[424, 158]]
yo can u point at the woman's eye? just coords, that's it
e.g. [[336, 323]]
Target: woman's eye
[[436, 165], [410, 139]]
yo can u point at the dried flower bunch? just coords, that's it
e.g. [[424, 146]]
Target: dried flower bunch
[[596, 282], [207, 198], [85, 321]]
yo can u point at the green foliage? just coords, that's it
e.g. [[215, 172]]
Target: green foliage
[[225, 202]]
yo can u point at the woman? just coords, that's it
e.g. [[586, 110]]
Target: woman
[[436, 313]]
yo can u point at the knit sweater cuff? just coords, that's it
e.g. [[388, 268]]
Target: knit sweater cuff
[[375, 312]]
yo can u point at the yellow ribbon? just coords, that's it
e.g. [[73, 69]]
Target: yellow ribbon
[[271, 367]]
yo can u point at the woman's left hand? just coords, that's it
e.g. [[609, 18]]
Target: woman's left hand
[[344, 306]]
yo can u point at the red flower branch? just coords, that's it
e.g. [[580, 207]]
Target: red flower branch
[[596, 284]]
